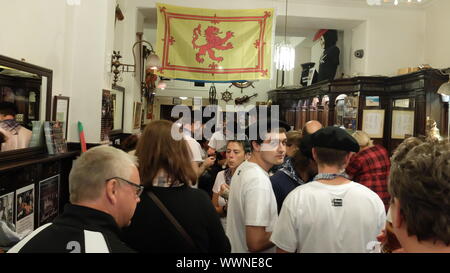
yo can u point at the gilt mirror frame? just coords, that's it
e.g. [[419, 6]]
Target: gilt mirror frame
[[27, 153]]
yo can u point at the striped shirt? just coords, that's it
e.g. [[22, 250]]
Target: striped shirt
[[78, 230]]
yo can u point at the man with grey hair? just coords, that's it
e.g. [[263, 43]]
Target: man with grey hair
[[104, 188]]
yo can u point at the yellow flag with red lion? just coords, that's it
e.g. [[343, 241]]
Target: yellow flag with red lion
[[214, 45]]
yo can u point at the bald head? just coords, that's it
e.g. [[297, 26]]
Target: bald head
[[311, 127]]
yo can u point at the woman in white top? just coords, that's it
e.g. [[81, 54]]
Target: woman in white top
[[235, 154]]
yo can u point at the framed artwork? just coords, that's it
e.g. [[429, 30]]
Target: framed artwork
[[401, 103], [402, 124], [311, 76], [7, 208], [61, 112], [137, 115], [372, 101], [25, 210], [48, 199], [373, 123], [117, 108]]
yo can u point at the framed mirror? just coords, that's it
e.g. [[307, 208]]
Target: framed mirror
[[118, 104], [113, 103], [29, 88]]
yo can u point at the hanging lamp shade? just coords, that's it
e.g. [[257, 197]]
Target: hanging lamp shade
[[153, 61]]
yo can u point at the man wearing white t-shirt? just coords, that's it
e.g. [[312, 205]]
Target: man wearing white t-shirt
[[252, 207], [331, 214]]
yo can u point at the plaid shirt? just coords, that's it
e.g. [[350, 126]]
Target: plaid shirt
[[10, 125], [370, 167]]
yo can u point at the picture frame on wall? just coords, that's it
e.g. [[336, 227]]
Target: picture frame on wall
[[48, 199], [137, 109], [402, 103], [61, 112], [402, 124], [373, 101], [373, 123]]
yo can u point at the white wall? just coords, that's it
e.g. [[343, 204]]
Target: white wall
[[302, 55], [35, 31], [93, 37], [74, 42], [359, 41], [437, 38], [395, 40]]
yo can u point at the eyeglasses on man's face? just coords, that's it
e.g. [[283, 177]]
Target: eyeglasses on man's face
[[139, 188]]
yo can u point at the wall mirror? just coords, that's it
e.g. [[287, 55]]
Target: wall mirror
[[112, 112], [29, 87], [118, 103]]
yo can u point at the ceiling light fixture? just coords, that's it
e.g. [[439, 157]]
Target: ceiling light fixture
[[284, 51]]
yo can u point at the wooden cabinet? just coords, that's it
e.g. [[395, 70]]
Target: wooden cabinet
[[342, 102], [19, 174]]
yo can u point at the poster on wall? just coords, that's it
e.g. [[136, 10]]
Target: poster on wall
[[25, 210], [7, 209], [373, 123], [402, 124], [48, 199]]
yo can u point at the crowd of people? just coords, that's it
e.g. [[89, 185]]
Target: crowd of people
[[332, 192]]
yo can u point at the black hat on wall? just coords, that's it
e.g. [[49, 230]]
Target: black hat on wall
[[334, 138]]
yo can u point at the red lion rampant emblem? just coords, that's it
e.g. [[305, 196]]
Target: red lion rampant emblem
[[213, 41]]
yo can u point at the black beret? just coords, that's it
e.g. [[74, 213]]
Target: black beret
[[334, 138]]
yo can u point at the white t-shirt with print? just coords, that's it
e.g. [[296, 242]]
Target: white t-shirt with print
[[317, 217], [251, 203], [220, 180]]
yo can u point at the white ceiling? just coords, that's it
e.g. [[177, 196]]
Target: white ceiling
[[296, 26], [305, 26], [403, 3]]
